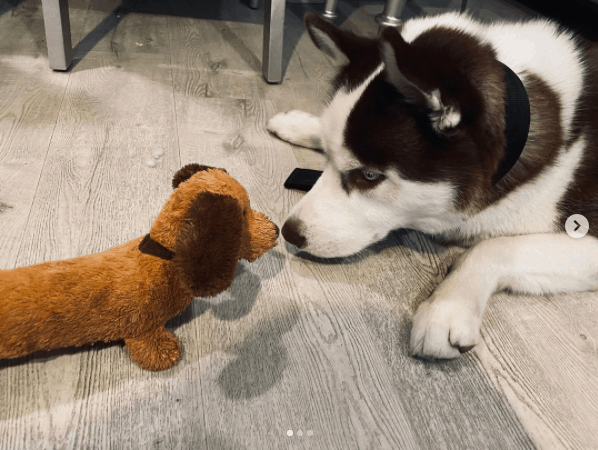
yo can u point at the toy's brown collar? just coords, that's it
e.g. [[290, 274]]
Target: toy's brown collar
[[151, 247]]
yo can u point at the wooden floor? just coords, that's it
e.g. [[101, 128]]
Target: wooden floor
[[296, 345]]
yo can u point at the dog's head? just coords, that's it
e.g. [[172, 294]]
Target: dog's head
[[208, 225], [413, 133]]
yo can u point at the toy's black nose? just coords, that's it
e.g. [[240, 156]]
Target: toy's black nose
[[277, 230], [291, 231]]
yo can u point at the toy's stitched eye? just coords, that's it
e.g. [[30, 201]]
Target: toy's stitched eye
[[370, 175]]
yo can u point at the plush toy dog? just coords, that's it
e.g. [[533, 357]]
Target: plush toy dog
[[129, 292]]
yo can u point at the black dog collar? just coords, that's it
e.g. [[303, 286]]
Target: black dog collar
[[151, 247], [517, 118]]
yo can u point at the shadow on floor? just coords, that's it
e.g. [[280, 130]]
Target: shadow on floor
[[262, 359], [409, 239], [224, 10], [8, 5]]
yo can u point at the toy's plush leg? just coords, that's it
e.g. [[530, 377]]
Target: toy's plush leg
[[158, 349]]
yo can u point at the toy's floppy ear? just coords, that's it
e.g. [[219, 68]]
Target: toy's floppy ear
[[187, 172], [209, 243]]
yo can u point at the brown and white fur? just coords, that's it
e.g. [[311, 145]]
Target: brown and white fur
[[413, 134]]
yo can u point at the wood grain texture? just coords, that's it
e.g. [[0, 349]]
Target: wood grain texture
[[97, 190], [30, 96], [22, 25], [297, 343], [543, 352], [109, 28]]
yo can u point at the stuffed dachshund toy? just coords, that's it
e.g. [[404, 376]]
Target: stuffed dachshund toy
[[130, 291]]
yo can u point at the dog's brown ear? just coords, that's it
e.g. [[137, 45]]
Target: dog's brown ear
[[400, 70], [341, 45], [187, 172], [209, 243]]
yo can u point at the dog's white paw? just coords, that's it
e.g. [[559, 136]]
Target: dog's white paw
[[443, 328], [296, 127]]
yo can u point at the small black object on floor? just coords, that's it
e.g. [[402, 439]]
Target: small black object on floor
[[302, 179]]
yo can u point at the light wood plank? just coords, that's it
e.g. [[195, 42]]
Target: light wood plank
[[217, 59], [117, 111], [543, 353], [30, 98], [215, 82], [219, 44]]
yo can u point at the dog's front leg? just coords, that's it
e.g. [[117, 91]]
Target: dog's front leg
[[157, 349], [297, 127], [448, 323]]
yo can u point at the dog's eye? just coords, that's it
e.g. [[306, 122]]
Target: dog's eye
[[244, 212], [370, 175]]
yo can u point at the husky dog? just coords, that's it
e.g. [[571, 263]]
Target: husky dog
[[483, 134]]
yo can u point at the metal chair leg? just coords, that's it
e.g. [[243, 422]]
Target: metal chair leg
[[330, 10], [58, 33], [273, 40], [392, 10]]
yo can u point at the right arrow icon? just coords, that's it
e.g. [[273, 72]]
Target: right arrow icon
[[577, 226]]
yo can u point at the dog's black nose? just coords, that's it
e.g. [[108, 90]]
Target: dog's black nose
[[291, 231]]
